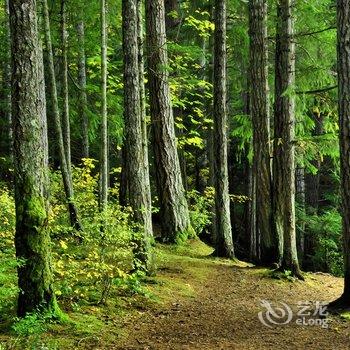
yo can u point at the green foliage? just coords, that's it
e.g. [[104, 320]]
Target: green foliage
[[104, 251], [132, 284], [8, 262], [200, 205], [326, 231], [31, 324]]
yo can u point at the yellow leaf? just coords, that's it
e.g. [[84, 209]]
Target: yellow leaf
[[63, 245]]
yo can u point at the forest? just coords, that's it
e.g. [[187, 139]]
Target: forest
[[175, 174]]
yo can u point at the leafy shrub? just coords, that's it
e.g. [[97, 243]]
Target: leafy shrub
[[8, 263], [325, 230], [84, 268], [200, 209], [31, 324]]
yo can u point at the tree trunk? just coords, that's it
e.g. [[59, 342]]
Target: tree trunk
[[137, 196], [284, 149], [104, 178], [32, 238], [176, 224], [259, 92], [343, 18], [300, 197], [7, 83], [141, 38], [82, 85], [65, 89], [66, 172], [224, 242]]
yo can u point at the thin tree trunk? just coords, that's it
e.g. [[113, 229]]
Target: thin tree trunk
[[259, 91], [343, 18], [65, 89], [284, 149], [300, 197], [32, 238], [66, 173], [224, 241], [82, 85], [104, 177], [137, 196], [176, 224]]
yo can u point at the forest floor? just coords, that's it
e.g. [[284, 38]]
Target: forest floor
[[199, 302], [222, 310]]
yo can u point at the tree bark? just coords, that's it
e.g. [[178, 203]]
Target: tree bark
[[7, 83], [32, 238], [176, 224], [82, 85], [224, 241], [300, 197], [65, 171], [284, 138], [104, 177], [343, 19], [259, 92], [134, 151], [141, 38], [65, 87]]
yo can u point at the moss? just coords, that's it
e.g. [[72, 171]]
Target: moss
[[345, 315], [182, 236], [36, 210], [57, 314]]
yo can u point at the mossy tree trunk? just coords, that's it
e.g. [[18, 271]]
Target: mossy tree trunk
[[32, 238], [134, 162], [224, 241], [172, 200], [284, 139]]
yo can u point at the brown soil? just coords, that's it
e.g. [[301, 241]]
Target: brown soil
[[223, 311]]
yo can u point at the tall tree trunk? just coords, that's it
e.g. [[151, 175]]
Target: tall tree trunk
[[137, 196], [176, 224], [66, 173], [32, 238], [140, 39], [259, 92], [65, 88], [224, 241], [343, 18], [284, 138], [82, 85], [104, 178], [7, 83]]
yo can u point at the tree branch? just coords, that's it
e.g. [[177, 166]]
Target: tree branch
[[318, 91]]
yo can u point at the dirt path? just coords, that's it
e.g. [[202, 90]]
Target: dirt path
[[223, 312]]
